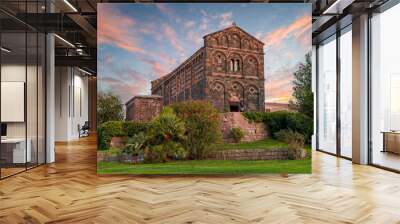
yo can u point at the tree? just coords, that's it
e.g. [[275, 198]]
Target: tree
[[303, 97], [109, 108]]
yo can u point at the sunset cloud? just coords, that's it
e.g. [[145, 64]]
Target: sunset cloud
[[296, 29], [172, 38], [278, 85], [116, 33], [163, 8], [157, 68], [225, 19], [189, 24], [124, 83]]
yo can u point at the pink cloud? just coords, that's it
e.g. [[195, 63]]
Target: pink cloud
[[225, 19], [163, 8], [194, 37], [278, 86], [172, 38], [296, 29], [158, 69], [279, 91], [167, 59], [189, 24], [116, 33], [125, 83]]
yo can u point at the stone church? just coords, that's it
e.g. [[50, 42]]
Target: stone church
[[228, 71]]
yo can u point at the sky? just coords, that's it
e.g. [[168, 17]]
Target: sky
[[138, 43]]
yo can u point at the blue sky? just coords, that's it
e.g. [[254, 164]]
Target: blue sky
[[138, 43]]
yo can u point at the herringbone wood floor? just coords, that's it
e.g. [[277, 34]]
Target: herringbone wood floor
[[69, 191]]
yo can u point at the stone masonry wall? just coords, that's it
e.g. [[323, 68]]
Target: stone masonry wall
[[143, 108], [253, 131], [253, 154]]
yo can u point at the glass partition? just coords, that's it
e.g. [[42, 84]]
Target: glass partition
[[346, 92], [385, 89], [327, 95], [13, 94], [22, 77]]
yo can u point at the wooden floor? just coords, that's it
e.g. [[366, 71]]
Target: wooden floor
[[69, 191]]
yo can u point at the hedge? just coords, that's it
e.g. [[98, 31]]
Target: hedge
[[280, 120]]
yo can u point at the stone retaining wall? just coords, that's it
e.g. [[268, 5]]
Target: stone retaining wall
[[238, 154], [253, 154], [252, 131], [102, 157]]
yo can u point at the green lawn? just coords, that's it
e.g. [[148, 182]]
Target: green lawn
[[208, 167], [267, 144]]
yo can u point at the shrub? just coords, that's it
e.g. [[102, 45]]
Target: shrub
[[136, 145], [280, 120], [202, 126], [132, 128], [162, 153], [295, 141], [255, 116], [237, 134], [106, 131], [289, 136], [165, 137]]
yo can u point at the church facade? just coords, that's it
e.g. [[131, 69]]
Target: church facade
[[228, 71]]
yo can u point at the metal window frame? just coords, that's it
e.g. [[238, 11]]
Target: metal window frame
[[381, 9], [339, 28], [44, 75]]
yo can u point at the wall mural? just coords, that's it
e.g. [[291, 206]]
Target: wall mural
[[195, 83]]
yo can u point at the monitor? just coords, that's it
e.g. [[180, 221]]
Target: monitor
[[3, 129]]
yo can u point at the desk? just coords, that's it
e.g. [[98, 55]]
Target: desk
[[13, 150], [391, 141]]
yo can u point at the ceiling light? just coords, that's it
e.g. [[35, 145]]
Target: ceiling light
[[84, 71], [338, 6], [5, 50], [65, 41], [70, 5]]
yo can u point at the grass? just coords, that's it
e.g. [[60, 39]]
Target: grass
[[266, 144], [208, 167]]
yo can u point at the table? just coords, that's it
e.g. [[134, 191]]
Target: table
[[391, 141], [13, 150]]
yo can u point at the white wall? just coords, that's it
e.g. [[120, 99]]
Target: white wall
[[71, 102]]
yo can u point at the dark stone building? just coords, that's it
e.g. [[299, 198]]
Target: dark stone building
[[228, 71], [143, 108]]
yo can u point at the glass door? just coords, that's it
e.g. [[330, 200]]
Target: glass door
[[385, 89]]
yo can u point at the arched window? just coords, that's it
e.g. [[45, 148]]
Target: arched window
[[231, 65], [237, 65], [220, 62]]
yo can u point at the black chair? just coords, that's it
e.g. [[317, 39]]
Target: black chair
[[84, 130]]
